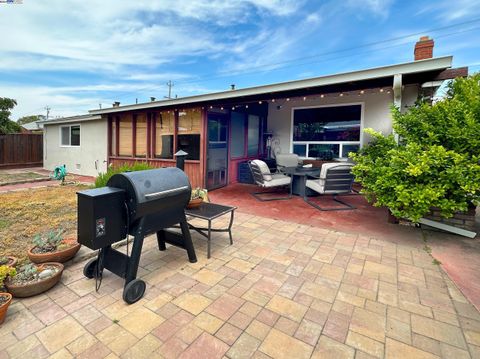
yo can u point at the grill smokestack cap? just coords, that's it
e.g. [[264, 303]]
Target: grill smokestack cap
[[424, 48], [152, 98], [232, 86], [116, 104]]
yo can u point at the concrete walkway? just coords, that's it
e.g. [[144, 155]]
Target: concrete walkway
[[283, 290]]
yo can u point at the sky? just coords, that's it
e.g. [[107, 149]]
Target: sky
[[77, 55]]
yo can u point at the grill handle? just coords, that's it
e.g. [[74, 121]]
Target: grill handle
[[166, 193]]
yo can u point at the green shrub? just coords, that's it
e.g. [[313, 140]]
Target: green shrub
[[436, 163], [102, 179]]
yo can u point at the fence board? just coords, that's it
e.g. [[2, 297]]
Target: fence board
[[19, 150]]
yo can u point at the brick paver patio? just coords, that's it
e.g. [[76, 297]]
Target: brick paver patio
[[283, 290]]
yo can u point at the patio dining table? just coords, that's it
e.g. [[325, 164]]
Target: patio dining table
[[298, 175]]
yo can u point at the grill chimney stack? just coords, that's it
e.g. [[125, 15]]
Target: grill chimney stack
[[424, 48], [152, 99], [116, 104]]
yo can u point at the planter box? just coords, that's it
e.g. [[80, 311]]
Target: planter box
[[464, 220]]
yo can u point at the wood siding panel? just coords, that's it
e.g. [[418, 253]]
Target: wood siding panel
[[192, 169]]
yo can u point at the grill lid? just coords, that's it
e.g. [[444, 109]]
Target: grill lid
[[153, 191]]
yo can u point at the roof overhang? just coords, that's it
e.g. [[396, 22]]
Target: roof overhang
[[72, 119], [421, 66]]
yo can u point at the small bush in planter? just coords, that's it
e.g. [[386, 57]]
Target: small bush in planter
[[52, 246], [436, 162], [102, 178], [50, 241], [199, 193], [5, 271], [32, 279]]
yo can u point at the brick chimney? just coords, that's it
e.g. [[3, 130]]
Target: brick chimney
[[424, 48]]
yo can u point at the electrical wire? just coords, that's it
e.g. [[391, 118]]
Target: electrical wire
[[209, 77]]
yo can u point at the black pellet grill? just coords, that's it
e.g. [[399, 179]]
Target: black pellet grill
[[139, 204]]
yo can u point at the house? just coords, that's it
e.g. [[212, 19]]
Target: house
[[311, 117], [32, 127]]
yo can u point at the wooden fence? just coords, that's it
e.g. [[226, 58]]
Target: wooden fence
[[21, 150]]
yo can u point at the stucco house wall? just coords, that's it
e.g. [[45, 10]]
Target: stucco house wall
[[87, 159], [376, 112]]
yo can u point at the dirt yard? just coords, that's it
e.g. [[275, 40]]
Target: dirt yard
[[25, 213]]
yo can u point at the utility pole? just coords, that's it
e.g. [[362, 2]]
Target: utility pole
[[48, 110], [170, 85]]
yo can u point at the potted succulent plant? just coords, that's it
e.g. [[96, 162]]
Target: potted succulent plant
[[10, 261], [5, 298], [197, 197], [53, 246], [32, 279]]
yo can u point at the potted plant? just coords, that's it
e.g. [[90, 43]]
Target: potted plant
[[5, 298], [32, 279], [197, 197], [10, 261], [52, 246]]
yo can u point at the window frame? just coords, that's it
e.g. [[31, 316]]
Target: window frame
[[340, 143], [70, 135]]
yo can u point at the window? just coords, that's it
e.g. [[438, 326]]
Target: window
[[253, 135], [188, 139], [237, 146], [70, 135], [141, 136], [164, 132], [125, 136], [326, 132]]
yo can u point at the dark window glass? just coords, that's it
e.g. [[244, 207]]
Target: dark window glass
[[323, 152], [65, 136], [340, 123], [191, 145], [165, 147], [300, 150], [75, 138], [346, 149], [237, 145], [253, 134]]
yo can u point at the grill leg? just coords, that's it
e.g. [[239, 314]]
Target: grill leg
[[134, 260], [161, 240], [187, 241]]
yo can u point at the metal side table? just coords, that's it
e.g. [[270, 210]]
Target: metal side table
[[210, 211]]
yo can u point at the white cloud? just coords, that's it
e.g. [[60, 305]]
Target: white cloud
[[380, 8]]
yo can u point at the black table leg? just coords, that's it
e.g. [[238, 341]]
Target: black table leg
[[230, 227], [209, 237]]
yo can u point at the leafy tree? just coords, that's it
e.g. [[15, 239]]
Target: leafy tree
[[7, 125], [28, 119], [436, 163]]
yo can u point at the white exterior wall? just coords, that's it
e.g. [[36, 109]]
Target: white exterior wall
[[376, 112], [86, 159]]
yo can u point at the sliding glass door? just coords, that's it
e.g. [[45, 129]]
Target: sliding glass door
[[217, 151]]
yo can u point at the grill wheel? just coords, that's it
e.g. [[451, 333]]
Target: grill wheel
[[134, 291]]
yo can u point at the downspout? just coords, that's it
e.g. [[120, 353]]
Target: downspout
[[397, 96]]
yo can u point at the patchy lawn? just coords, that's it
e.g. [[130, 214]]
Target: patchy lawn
[[25, 213], [19, 177]]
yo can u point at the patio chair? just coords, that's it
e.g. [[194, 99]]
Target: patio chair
[[263, 178], [287, 160], [335, 179]]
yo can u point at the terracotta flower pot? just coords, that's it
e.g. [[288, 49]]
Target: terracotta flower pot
[[33, 288], [58, 256], [194, 203], [4, 307]]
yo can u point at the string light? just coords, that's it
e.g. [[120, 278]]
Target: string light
[[233, 108], [246, 106], [362, 92], [322, 95], [381, 90], [273, 100], [288, 99], [259, 102], [304, 98], [221, 108], [341, 94]]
